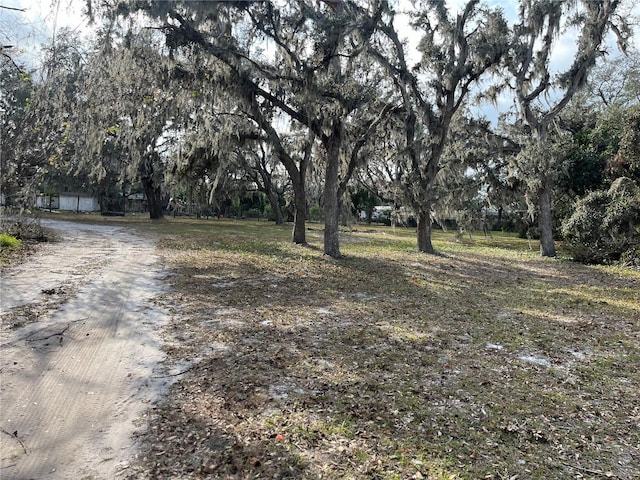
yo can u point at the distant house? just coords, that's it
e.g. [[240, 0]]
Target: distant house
[[78, 202], [51, 202], [68, 201]]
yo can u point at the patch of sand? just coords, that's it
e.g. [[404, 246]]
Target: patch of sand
[[75, 381]]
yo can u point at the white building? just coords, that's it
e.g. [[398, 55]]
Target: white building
[[78, 202], [68, 201]]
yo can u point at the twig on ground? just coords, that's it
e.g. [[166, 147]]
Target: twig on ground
[[15, 435], [29, 335], [52, 335], [176, 374]]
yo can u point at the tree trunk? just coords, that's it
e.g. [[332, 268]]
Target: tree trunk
[[300, 221], [154, 198], [298, 177], [263, 178], [299, 205], [545, 221], [299, 181], [424, 232], [331, 200], [152, 190], [275, 207]]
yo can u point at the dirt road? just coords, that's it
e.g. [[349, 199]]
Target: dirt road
[[79, 353]]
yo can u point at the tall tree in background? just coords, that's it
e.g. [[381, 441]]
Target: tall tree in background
[[44, 143], [17, 88], [456, 53], [474, 179], [603, 117], [316, 76], [541, 96], [614, 82], [627, 159], [294, 153], [127, 111], [259, 167]]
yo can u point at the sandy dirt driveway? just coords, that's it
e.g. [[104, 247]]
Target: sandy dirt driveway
[[80, 353]]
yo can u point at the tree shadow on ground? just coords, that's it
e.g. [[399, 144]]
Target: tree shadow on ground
[[371, 367]]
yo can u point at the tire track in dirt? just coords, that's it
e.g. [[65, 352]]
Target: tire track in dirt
[[73, 389]]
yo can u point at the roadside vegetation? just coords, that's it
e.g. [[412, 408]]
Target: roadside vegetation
[[8, 241], [18, 235], [484, 361], [9, 248]]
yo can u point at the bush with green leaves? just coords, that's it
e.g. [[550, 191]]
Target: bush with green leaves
[[605, 226], [9, 242]]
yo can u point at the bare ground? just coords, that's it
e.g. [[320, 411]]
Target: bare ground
[[79, 353]]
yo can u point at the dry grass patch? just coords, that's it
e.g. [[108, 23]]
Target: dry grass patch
[[485, 361]]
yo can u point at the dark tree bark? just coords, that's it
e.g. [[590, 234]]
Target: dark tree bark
[[298, 178], [332, 145], [275, 207], [545, 220], [424, 232], [152, 189], [154, 198], [300, 213]]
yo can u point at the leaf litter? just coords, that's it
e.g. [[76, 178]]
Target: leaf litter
[[390, 364]]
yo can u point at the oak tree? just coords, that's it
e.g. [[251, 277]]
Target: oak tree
[[456, 52], [541, 95]]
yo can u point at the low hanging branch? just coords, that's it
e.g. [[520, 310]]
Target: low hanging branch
[[15, 9]]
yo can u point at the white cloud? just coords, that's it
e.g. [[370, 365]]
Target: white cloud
[[52, 15]]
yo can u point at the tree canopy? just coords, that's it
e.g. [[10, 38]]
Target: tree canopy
[[316, 101]]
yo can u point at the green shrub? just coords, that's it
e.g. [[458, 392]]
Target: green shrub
[[9, 242], [316, 214], [267, 214], [253, 213], [604, 225]]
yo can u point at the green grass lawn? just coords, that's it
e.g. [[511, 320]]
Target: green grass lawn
[[484, 361]]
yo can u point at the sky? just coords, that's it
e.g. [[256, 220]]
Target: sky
[[41, 18]]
